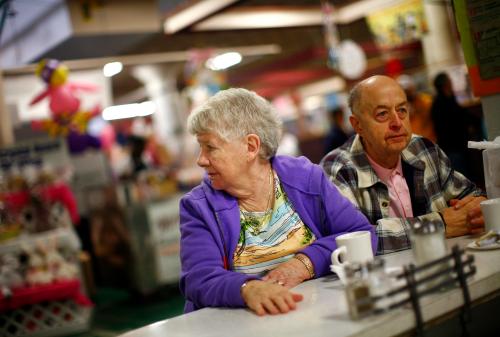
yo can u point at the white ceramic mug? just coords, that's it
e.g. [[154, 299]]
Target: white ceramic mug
[[353, 247], [491, 214]]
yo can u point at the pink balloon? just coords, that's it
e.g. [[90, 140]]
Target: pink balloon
[[63, 100]]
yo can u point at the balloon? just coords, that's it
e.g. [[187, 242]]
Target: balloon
[[78, 142], [66, 117], [103, 130]]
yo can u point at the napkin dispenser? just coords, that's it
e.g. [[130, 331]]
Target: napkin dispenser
[[491, 161]]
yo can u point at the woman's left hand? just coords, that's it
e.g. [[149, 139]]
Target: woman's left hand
[[288, 274]]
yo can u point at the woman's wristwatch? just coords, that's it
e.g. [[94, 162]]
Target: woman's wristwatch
[[307, 263]]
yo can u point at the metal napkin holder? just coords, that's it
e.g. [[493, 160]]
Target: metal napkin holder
[[458, 269]]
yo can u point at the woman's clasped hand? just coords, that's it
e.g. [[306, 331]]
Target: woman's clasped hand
[[269, 297]]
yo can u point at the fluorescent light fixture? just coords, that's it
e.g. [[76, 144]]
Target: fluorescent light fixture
[[129, 110], [112, 68], [223, 61]]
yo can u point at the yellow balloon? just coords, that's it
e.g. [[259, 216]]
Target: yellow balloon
[[60, 75]]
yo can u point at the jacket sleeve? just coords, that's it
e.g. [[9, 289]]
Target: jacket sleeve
[[204, 281], [338, 216]]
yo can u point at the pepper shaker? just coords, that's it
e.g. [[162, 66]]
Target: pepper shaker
[[357, 291]]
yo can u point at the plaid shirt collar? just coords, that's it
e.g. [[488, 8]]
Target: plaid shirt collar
[[366, 174]]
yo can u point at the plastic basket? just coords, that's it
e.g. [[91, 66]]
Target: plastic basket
[[44, 319]]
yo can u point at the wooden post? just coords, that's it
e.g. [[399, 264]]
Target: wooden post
[[6, 132]]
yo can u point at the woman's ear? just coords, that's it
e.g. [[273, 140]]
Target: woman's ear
[[253, 146]]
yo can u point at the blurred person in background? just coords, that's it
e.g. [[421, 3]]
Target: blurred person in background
[[395, 178], [258, 224], [420, 108], [137, 145], [450, 123], [110, 241], [337, 134]]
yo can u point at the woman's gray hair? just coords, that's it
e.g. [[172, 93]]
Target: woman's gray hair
[[235, 113]]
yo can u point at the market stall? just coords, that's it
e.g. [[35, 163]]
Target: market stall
[[42, 291]]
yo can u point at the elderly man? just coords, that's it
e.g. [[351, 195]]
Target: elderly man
[[396, 178]]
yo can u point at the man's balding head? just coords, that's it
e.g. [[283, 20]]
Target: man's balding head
[[371, 83], [380, 117]]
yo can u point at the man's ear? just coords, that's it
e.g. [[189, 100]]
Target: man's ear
[[253, 146], [356, 125]]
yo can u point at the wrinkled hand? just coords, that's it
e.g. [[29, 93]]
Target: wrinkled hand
[[464, 216], [269, 298], [473, 206], [288, 274]]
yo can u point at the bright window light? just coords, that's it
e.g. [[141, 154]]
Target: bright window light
[[223, 61], [112, 68], [129, 110]]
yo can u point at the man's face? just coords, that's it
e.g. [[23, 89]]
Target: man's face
[[382, 120]]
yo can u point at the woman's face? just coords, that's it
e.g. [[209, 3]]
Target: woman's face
[[224, 162]]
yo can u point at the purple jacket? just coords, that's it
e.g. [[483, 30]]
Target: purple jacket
[[210, 228]]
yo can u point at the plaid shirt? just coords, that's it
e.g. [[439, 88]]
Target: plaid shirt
[[431, 181]]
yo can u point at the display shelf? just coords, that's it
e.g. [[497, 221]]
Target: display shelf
[[66, 237], [57, 308], [44, 319], [49, 292]]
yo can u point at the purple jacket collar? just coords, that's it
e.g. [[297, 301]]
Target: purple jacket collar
[[296, 177]]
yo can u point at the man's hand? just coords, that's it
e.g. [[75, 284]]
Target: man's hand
[[288, 274], [264, 297], [472, 204], [464, 216]]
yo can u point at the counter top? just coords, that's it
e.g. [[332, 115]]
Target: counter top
[[324, 312]]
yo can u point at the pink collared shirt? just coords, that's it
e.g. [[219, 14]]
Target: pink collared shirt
[[399, 194]]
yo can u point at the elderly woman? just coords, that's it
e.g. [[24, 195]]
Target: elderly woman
[[258, 224]]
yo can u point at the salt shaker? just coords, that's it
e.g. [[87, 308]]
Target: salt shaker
[[379, 284], [357, 292], [428, 244]]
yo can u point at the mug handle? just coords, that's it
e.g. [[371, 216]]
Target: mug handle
[[336, 253]]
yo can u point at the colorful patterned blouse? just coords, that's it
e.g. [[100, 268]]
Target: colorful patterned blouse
[[266, 240]]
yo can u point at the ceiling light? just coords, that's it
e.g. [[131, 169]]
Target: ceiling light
[[129, 110], [112, 68], [223, 61]]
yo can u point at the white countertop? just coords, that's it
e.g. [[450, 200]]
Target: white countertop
[[323, 311]]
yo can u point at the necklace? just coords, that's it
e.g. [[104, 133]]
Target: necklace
[[253, 223]]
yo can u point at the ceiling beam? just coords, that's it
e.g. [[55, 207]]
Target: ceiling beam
[[167, 57], [289, 16], [191, 14], [262, 17], [115, 17]]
